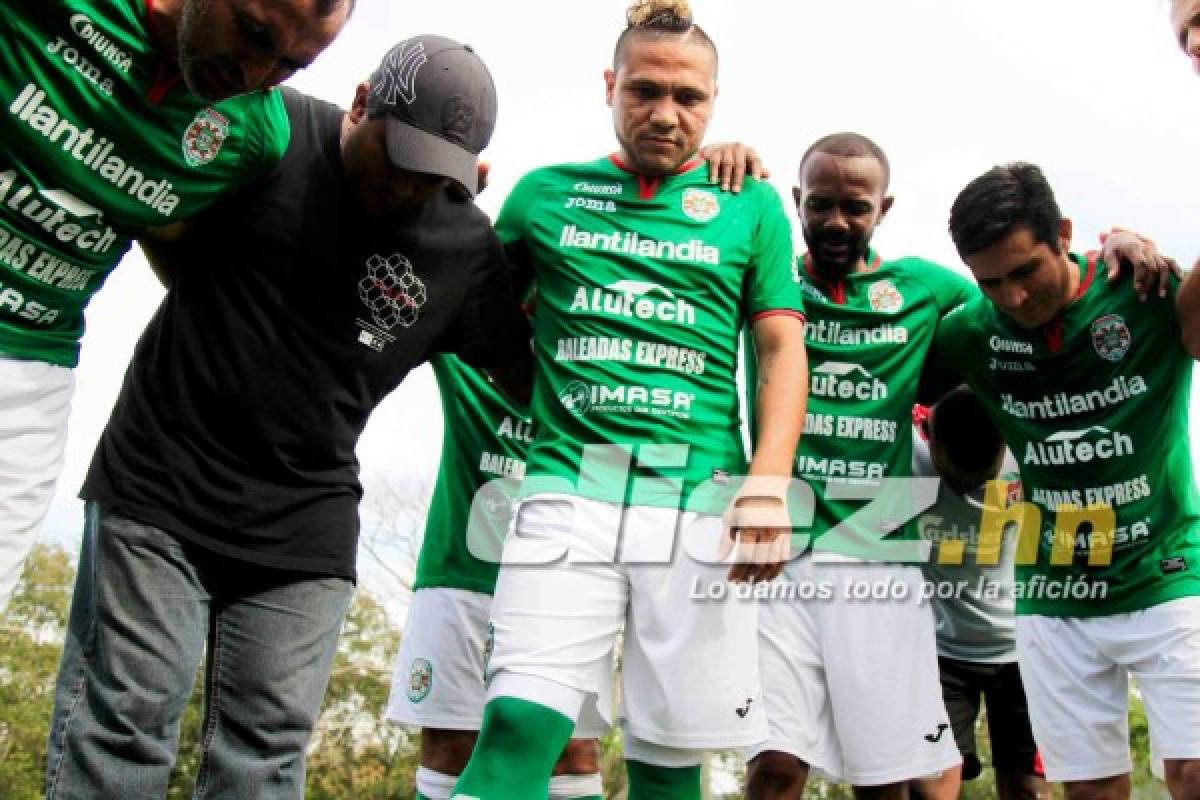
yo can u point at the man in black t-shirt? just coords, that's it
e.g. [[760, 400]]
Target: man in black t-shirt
[[222, 499]]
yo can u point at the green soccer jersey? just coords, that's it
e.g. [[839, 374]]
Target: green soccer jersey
[[483, 448], [643, 286], [1094, 407], [867, 338], [99, 140]]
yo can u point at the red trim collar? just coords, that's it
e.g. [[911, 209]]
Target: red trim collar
[[779, 312], [835, 289], [1088, 277], [648, 185], [1052, 331]]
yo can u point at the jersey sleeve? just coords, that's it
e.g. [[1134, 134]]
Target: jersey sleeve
[[512, 222], [943, 368], [512, 225], [268, 132], [950, 289], [750, 372], [772, 287]]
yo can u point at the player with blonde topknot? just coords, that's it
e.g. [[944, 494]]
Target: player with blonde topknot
[[645, 273]]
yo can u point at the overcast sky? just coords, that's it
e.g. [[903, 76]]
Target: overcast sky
[[1095, 92]]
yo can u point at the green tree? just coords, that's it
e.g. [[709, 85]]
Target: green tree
[[354, 752], [30, 643]]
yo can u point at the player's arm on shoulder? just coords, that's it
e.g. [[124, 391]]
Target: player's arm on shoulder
[[1156, 274], [512, 225], [730, 162], [1187, 308], [1126, 251], [512, 222], [494, 332]]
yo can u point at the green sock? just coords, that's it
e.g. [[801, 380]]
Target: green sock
[[648, 782], [420, 796], [518, 745]]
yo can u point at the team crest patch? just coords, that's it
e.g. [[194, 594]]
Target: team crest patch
[[700, 204], [884, 296], [203, 138], [420, 680], [1111, 337]]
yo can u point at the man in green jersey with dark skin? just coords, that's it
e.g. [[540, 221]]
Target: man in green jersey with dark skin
[[645, 274], [1090, 388], [120, 117], [831, 668]]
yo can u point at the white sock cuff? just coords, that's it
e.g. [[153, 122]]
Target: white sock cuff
[[565, 787], [657, 755], [543, 691], [435, 785]]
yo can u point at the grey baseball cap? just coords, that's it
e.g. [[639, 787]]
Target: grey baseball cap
[[439, 102]]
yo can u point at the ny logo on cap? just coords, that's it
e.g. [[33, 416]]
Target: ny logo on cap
[[399, 74]]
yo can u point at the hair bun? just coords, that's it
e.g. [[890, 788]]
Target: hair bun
[[673, 15]]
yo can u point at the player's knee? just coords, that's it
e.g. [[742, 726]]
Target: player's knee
[[1183, 778], [579, 757], [942, 785], [775, 771], [1015, 784], [1115, 788], [446, 751]]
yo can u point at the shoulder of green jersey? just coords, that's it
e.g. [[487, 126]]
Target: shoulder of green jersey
[[956, 314]]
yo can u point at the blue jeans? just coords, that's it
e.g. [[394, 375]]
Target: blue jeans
[[146, 608]]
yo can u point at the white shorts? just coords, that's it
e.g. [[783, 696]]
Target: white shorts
[[438, 682], [689, 666], [851, 686], [35, 401], [1076, 673], [438, 679]]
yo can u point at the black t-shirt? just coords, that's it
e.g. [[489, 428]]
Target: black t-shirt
[[292, 318]]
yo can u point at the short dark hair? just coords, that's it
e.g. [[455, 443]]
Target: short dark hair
[[849, 145], [1001, 200], [658, 18], [964, 431]]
